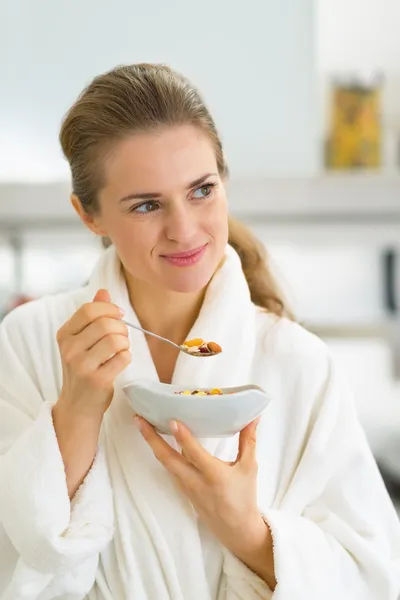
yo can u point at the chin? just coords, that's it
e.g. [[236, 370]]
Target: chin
[[189, 283]]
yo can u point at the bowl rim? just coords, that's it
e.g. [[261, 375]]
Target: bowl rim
[[169, 389]]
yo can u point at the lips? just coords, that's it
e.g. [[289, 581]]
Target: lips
[[186, 258], [186, 254]]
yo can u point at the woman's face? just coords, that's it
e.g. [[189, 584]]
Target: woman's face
[[164, 207]]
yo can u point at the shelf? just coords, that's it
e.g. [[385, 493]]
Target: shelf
[[323, 198], [356, 332], [339, 197]]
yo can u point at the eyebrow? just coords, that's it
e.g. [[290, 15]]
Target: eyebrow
[[151, 195]]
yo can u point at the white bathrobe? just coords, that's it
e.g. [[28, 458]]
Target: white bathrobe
[[129, 533]]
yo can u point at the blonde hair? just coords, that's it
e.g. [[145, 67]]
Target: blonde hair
[[141, 98]]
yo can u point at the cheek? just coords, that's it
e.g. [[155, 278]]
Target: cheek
[[222, 207], [134, 238], [218, 218]]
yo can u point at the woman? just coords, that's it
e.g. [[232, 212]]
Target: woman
[[94, 503]]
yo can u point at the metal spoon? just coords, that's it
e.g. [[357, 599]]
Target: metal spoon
[[159, 337]]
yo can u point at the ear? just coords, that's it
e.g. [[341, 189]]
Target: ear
[[89, 220]]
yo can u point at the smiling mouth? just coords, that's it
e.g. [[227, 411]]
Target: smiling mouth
[[187, 258], [185, 254]]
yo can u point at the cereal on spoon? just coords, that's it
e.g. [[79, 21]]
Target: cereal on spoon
[[199, 346]]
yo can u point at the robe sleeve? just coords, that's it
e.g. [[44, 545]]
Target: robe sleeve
[[49, 546], [335, 532]]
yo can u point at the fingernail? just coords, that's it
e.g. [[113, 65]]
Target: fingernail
[[138, 422], [122, 312], [174, 427]]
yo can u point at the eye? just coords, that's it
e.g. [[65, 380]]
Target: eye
[[203, 191], [146, 207]]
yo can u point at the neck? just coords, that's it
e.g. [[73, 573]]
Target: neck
[[169, 314]]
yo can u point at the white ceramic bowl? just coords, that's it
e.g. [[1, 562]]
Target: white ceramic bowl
[[205, 416]]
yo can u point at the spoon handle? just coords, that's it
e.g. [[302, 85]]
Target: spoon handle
[[159, 337]]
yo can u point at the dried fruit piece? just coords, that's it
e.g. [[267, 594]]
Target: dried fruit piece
[[195, 342]]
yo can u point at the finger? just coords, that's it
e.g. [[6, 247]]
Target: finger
[[193, 451], [101, 352], [88, 313], [112, 368], [176, 464], [248, 444], [74, 348], [102, 296], [95, 332]]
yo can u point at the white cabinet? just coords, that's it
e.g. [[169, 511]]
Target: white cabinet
[[253, 61]]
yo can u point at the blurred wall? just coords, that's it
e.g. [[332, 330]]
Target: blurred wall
[[254, 62]]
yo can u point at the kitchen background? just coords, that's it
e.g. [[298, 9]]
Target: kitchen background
[[306, 95]]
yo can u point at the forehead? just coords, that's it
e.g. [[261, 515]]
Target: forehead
[[164, 158]]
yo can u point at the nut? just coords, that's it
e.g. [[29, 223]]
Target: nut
[[214, 347]]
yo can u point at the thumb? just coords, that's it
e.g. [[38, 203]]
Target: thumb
[[248, 443], [102, 296]]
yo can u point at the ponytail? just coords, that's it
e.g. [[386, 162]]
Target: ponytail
[[264, 290]]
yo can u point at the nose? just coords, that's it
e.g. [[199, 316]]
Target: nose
[[181, 224]]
